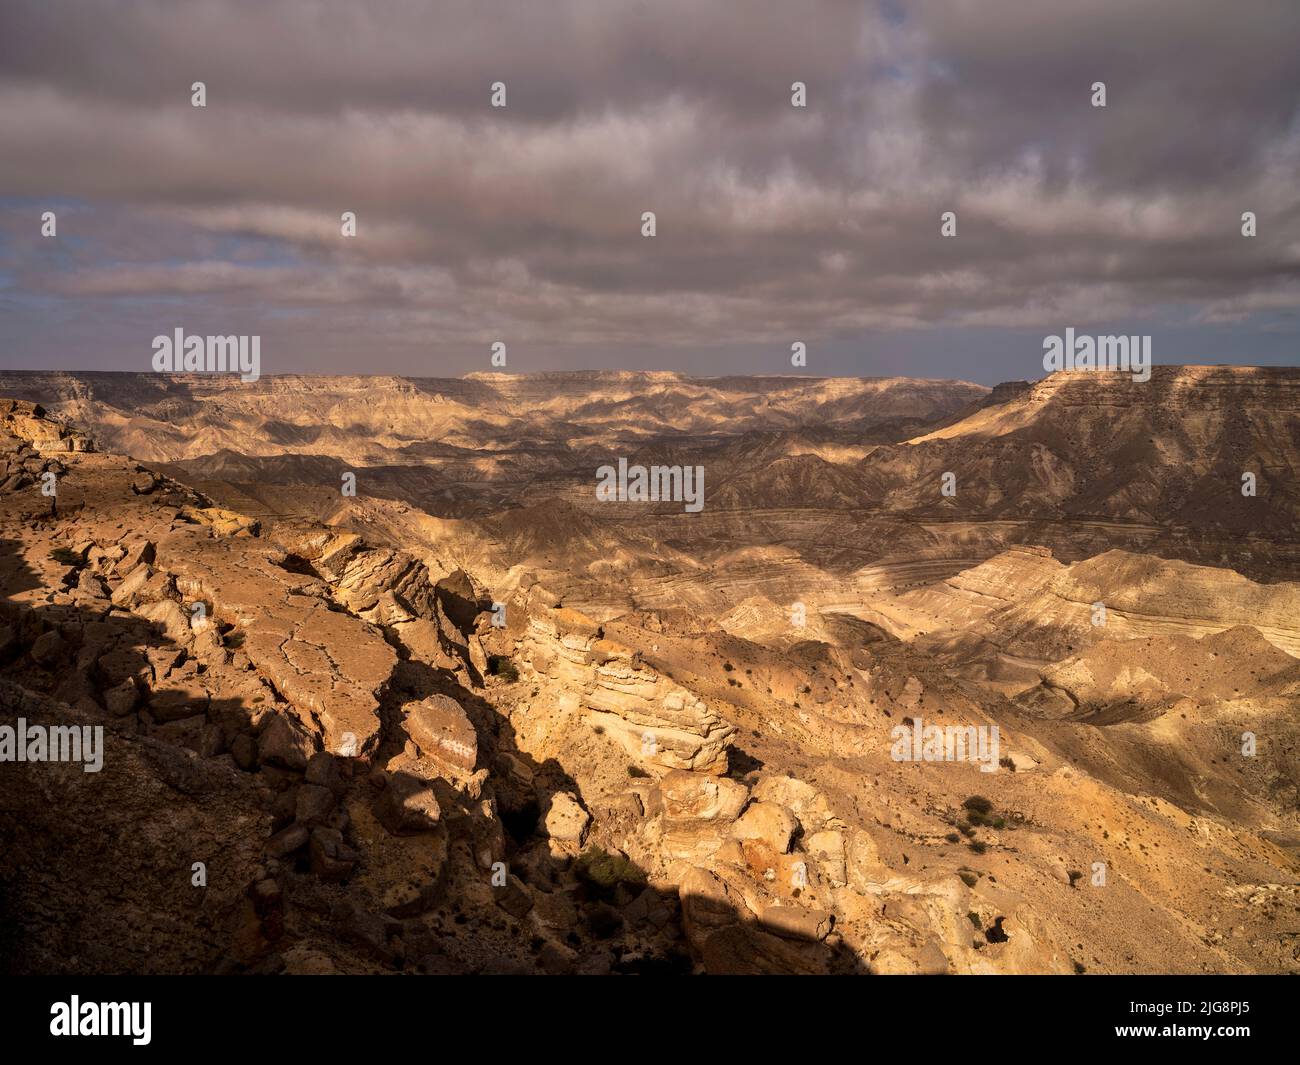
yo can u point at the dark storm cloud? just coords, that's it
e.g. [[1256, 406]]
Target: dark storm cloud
[[773, 222]]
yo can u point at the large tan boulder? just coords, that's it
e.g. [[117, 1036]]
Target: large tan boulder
[[441, 729], [803, 800], [768, 822], [829, 849], [694, 796], [565, 820]]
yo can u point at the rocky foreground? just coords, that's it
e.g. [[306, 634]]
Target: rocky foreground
[[324, 754]]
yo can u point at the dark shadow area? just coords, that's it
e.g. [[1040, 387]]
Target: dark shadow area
[[99, 872]]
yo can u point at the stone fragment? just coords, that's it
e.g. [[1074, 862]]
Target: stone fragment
[[331, 858], [282, 743], [178, 700], [796, 922], [769, 822], [121, 699], [286, 841], [138, 552], [408, 805], [313, 804], [441, 729], [828, 848], [700, 797], [49, 649], [128, 592], [514, 897], [566, 821]]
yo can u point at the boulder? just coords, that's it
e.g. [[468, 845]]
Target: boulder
[[696, 796], [128, 592], [331, 858], [769, 822], [313, 804], [566, 821], [408, 805], [441, 729], [182, 700], [121, 699], [282, 743], [138, 552], [514, 897], [49, 650], [286, 841], [803, 800], [169, 617], [828, 848]]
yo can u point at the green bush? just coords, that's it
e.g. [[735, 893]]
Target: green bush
[[598, 868]]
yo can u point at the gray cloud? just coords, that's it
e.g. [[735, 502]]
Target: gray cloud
[[773, 222]]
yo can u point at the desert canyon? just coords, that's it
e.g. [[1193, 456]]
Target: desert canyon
[[473, 719]]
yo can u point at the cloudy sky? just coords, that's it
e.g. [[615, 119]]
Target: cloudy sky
[[775, 223]]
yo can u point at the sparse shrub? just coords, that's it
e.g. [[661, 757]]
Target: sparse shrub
[[968, 878], [974, 919], [501, 666], [978, 804], [978, 846], [952, 837], [999, 822], [637, 771], [603, 871]]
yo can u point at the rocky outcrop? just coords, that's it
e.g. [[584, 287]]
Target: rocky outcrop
[[29, 424], [407, 780], [659, 723], [330, 666]]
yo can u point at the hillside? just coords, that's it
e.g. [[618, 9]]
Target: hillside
[[389, 761]]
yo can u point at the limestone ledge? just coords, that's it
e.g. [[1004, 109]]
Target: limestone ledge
[[661, 724]]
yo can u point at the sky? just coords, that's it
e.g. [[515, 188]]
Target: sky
[[773, 223]]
